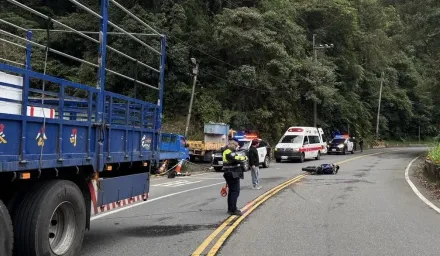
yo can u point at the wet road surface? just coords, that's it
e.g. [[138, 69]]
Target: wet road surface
[[321, 215]]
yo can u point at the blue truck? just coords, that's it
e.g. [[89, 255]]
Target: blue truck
[[173, 147], [69, 151]]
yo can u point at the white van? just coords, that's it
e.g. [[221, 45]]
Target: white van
[[300, 143]]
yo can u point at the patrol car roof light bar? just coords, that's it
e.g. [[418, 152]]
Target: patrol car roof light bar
[[76, 32]]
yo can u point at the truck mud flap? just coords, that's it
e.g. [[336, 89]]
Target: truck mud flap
[[112, 190]]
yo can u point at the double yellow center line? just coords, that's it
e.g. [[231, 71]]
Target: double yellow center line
[[248, 209], [251, 206]]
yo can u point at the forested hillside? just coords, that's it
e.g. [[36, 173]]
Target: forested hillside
[[256, 60]]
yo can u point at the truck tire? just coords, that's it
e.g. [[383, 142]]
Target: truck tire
[[50, 220], [6, 236]]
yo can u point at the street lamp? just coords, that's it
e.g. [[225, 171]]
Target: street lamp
[[315, 48], [195, 72]]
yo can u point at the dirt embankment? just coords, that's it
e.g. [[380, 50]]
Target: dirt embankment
[[427, 180]]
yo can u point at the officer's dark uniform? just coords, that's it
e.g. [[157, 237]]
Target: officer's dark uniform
[[361, 144], [233, 174]]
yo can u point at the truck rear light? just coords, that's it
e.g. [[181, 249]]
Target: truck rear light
[[25, 175]]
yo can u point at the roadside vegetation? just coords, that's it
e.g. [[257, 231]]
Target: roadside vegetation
[[257, 66], [434, 154]]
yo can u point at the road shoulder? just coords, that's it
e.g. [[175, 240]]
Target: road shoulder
[[426, 185]]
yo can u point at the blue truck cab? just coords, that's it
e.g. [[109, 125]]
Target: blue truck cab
[[173, 147]]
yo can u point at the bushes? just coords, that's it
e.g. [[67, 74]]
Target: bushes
[[434, 155]]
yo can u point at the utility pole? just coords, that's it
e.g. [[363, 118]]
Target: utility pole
[[378, 108], [315, 58], [419, 133], [195, 72], [315, 104]]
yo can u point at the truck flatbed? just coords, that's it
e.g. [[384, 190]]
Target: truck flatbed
[[70, 136]]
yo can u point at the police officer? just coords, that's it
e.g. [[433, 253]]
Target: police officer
[[233, 172]]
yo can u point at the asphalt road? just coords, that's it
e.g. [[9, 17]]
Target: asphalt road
[[366, 209]]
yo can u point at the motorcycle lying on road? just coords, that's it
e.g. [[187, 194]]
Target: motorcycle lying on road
[[322, 169]]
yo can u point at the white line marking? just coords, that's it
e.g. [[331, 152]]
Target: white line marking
[[152, 200], [176, 183], [426, 201], [193, 175], [207, 178]]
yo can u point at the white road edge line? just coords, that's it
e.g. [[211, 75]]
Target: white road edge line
[[426, 201], [151, 200]]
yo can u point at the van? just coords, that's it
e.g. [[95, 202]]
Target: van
[[300, 143]]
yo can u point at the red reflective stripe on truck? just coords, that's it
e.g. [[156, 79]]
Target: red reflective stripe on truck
[[116, 205], [93, 196]]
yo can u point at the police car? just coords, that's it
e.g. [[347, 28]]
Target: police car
[[245, 142], [340, 144]]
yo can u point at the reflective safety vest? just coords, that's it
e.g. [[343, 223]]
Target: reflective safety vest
[[231, 158]]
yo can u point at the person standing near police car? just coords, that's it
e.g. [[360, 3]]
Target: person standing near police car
[[233, 172], [361, 143], [254, 162]]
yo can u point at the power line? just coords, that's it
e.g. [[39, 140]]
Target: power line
[[243, 86], [203, 52], [175, 37]]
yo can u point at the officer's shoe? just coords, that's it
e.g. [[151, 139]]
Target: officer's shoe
[[237, 213]]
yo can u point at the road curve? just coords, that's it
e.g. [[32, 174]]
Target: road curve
[[366, 209], [184, 211]]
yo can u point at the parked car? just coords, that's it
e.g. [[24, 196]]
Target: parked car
[[341, 144], [264, 153]]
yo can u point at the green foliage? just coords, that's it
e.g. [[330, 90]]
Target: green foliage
[[257, 66], [434, 154]]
